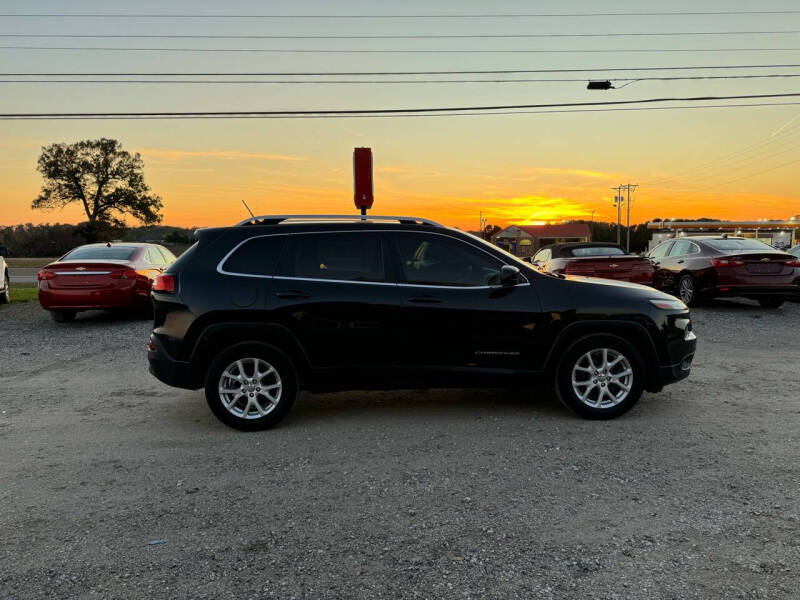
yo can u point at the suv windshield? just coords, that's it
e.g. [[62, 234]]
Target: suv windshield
[[734, 245], [101, 252]]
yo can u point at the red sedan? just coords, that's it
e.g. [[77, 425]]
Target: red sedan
[[102, 276], [701, 268], [594, 259]]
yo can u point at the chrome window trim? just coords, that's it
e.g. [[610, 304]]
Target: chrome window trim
[[82, 272], [222, 271]]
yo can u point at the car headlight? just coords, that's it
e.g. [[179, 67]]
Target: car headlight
[[668, 304]]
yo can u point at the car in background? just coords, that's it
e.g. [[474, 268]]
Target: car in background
[[699, 268], [795, 251], [105, 276], [594, 259], [5, 280]]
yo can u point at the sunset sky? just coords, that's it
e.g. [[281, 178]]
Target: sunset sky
[[513, 167]]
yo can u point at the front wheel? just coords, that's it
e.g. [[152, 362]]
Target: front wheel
[[688, 292], [600, 377], [771, 301], [251, 387], [5, 295]]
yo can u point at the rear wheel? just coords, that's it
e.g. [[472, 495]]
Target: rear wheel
[[63, 316], [600, 377], [251, 387], [771, 301]]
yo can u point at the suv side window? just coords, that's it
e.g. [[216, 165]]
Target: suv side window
[[542, 256], [346, 256], [257, 256], [429, 259], [660, 251]]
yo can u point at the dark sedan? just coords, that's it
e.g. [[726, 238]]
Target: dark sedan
[[700, 268]]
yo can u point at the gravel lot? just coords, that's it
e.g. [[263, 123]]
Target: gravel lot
[[434, 494]]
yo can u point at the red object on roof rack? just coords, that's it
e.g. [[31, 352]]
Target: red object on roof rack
[[362, 179]]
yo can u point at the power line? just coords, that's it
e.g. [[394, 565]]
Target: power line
[[394, 16], [390, 73], [418, 115], [392, 36], [395, 51], [386, 111], [388, 81], [711, 187]]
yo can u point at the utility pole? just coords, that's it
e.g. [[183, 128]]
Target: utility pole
[[482, 225], [630, 187], [618, 200]]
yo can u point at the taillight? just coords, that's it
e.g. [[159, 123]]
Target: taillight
[[124, 274], [164, 283], [579, 270], [45, 275], [793, 262], [727, 262]]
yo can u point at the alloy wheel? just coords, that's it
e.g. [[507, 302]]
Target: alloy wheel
[[686, 289], [602, 378], [250, 388]]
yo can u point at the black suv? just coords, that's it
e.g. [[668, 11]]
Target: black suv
[[258, 311]]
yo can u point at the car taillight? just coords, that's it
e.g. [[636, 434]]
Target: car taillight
[[793, 262], [164, 283], [45, 275], [124, 274], [727, 262], [579, 270]]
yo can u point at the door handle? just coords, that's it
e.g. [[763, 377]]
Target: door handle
[[680, 262], [425, 300], [293, 295]]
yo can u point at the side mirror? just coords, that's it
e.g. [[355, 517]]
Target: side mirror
[[509, 276]]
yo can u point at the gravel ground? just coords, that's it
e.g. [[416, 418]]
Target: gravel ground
[[434, 494]]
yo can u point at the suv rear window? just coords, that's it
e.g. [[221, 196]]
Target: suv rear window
[[101, 253], [344, 257], [734, 245], [257, 256]]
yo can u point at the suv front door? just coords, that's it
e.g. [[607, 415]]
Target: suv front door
[[456, 313]]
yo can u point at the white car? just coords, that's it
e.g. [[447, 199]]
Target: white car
[[5, 282]]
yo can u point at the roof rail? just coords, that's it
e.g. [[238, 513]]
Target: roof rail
[[275, 219]]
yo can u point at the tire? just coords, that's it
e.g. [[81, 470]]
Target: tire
[[5, 295], [687, 290], [605, 395], [241, 411], [771, 301], [63, 316]]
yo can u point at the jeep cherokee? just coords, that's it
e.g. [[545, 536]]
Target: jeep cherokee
[[258, 311]]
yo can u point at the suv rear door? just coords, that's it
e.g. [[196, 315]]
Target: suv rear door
[[336, 292], [456, 315]]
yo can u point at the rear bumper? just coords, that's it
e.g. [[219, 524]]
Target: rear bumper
[[88, 299], [755, 291], [176, 373]]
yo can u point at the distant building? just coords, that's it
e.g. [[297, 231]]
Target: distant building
[[778, 234], [525, 240]]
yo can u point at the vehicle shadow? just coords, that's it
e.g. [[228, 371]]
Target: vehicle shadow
[[735, 304], [429, 403]]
